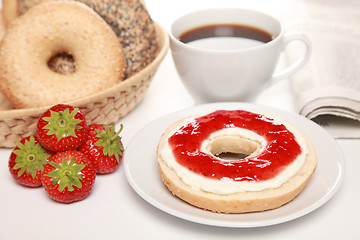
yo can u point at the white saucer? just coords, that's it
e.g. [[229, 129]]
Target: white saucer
[[142, 173]]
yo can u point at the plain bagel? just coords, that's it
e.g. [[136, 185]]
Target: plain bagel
[[129, 19], [4, 103], [52, 28], [211, 186]]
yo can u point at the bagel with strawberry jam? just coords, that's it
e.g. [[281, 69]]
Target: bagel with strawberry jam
[[277, 163]]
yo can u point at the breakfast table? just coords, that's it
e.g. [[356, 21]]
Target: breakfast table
[[116, 209]]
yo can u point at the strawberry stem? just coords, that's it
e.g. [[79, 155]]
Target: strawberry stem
[[68, 174], [31, 157], [110, 141], [62, 123], [117, 134]]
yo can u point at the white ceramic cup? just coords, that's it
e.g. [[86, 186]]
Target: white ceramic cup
[[231, 74]]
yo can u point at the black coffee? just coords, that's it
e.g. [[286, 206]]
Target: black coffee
[[226, 36]]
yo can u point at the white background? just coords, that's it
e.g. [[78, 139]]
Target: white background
[[114, 211]]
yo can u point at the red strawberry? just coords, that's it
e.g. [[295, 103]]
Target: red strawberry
[[103, 147], [62, 128], [68, 177], [27, 161]]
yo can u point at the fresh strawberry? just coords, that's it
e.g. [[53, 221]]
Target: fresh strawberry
[[68, 177], [27, 161], [62, 128], [103, 147]]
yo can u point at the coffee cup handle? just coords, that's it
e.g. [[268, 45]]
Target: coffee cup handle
[[288, 71]]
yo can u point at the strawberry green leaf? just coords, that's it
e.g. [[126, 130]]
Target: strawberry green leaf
[[110, 141], [30, 157], [62, 123], [66, 174]]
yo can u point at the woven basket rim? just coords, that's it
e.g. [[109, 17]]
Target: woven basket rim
[[163, 40]]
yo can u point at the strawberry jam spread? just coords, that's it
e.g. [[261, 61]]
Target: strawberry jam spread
[[280, 151]]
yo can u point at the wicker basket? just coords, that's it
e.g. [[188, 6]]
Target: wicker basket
[[107, 106]]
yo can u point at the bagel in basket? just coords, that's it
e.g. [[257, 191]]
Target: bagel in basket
[[46, 30], [129, 19], [4, 103], [278, 163]]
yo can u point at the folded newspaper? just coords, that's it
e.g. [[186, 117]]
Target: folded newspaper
[[327, 88]]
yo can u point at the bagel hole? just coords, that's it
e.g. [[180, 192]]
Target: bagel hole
[[229, 156], [62, 63], [234, 148]]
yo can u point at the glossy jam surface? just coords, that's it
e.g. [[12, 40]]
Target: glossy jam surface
[[280, 151]]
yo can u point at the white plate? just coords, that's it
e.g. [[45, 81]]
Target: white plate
[[142, 173]]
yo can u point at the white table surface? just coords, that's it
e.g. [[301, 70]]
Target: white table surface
[[114, 211]]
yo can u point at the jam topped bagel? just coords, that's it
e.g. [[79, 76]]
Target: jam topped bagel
[[277, 161]]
